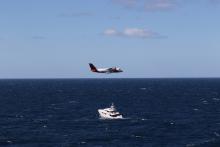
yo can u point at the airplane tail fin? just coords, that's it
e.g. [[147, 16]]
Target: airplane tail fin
[[93, 68]]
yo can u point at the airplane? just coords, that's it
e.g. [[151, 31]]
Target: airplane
[[105, 70]]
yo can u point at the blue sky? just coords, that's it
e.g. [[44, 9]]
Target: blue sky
[[146, 38]]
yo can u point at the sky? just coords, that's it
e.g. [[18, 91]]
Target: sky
[[146, 38]]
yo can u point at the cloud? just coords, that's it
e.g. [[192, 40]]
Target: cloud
[[132, 33], [127, 3], [153, 5], [148, 5], [158, 5], [111, 32]]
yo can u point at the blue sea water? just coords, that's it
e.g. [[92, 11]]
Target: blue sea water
[[63, 113]]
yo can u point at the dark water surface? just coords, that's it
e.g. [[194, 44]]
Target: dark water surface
[[158, 112]]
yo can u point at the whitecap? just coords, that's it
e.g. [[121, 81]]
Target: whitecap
[[8, 141], [136, 136], [204, 142], [216, 99], [205, 102], [83, 142], [190, 145], [217, 134], [72, 102], [195, 109]]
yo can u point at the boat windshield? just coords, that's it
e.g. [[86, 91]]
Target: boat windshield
[[115, 115]]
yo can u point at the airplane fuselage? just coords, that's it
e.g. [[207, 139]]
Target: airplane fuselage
[[104, 70]]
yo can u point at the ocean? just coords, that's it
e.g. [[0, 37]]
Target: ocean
[[63, 112]]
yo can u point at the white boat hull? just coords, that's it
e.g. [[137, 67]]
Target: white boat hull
[[105, 115]]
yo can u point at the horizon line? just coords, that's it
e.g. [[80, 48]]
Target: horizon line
[[110, 78]]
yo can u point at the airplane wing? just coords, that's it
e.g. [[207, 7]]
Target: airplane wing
[[111, 69]]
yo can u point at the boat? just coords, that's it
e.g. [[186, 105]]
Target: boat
[[109, 113]]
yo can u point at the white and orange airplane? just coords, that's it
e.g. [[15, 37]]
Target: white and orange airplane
[[105, 70]]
